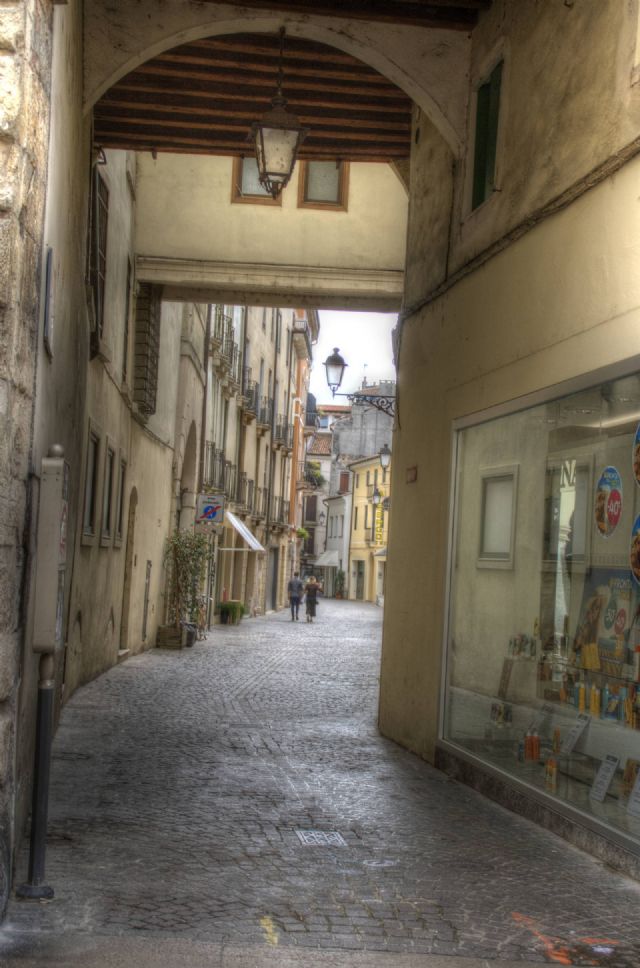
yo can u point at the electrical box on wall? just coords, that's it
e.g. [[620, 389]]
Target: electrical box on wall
[[51, 554]]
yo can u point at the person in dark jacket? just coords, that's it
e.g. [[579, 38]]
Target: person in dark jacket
[[311, 592], [295, 590]]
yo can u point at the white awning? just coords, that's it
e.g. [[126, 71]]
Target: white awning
[[328, 559], [381, 554], [243, 531]]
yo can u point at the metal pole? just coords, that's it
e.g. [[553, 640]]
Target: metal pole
[[35, 888]]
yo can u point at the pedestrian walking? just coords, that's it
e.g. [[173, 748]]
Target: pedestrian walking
[[295, 590], [311, 592]]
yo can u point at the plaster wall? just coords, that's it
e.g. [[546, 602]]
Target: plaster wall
[[183, 201], [550, 136], [561, 301]]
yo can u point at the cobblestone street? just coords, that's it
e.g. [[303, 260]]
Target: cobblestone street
[[185, 784]]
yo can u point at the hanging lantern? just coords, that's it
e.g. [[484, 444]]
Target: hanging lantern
[[277, 138]]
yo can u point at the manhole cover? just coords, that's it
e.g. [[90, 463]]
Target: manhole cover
[[321, 838]]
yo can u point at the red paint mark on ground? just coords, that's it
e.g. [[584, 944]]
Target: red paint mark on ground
[[555, 948]]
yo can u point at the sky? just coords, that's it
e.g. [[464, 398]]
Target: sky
[[364, 341]]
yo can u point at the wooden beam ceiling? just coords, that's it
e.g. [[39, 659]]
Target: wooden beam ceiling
[[442, 14], [202, 98]]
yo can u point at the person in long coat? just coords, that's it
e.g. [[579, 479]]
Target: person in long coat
[[311, 592]]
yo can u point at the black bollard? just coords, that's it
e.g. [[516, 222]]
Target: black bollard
[[35, 888]]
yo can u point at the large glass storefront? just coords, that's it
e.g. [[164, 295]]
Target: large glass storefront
[[543, 664]]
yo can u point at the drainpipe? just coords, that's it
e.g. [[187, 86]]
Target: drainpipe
[[203, 425]]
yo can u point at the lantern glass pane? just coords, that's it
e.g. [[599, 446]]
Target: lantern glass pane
[[279, 151], [250, 180]]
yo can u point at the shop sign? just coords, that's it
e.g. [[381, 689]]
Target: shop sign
[[379, 525], [608, 503], [209, 510]]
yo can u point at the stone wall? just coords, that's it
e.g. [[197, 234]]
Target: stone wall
[[25, 54]]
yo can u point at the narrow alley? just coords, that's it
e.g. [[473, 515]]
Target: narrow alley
[[235, 803]]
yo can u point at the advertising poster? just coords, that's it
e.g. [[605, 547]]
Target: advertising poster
[[635, 457], [608, 502], [606, 614], [634, 551]]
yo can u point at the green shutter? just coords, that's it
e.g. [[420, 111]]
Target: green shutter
[[486, 139]]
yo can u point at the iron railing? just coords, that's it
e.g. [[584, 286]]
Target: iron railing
[[214, 467], [265, 415]]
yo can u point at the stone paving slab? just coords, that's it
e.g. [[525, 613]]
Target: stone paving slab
[[83, 952], [181, 785]]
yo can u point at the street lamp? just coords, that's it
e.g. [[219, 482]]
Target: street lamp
[[385, 456], [335, 366], [277, 137], [321, 519], [376, 497]]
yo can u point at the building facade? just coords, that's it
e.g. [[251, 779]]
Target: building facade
[[369, 530], [510, 238]]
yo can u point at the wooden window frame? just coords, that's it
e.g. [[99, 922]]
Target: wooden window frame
[[108, 494], [91, 492], [119, 520], [484, 174], [237, 196], [341, 205]]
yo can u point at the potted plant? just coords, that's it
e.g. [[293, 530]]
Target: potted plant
[[185, 558], [339, 583], [231, 612]]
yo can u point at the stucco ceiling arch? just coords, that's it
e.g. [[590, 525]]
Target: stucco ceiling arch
[[430, 66]]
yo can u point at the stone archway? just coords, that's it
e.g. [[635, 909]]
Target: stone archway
[[430, 66]]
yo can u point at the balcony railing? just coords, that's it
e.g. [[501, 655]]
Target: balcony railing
[[265, 414], [283, 433], [240, 495], [222, 327], [236, 366], [308, 476], [260, 496], [214, 463], [230, 472], [302, 339], [279, 511]]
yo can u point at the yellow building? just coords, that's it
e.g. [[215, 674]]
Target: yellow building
[[369, 525]]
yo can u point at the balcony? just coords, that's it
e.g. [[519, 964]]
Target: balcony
[[230, 474], [301, 335], [284, 434], [240, 495], [214, 464], [259, 508], [309, 476], [222, 324], [264, 416], [249, 401], [279, 512], [234, 381]]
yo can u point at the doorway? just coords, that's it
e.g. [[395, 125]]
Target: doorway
[[359, 580]]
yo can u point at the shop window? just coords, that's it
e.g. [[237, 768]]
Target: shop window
[[486, 137], [497, 517], [91, 486], [323, 184], [246, 185], [543, 657]]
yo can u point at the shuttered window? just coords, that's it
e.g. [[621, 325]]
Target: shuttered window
[[486, 137]]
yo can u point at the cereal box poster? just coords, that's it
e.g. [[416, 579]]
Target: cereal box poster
[[608, 503]]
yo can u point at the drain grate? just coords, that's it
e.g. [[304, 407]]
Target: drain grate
[[321, 838]]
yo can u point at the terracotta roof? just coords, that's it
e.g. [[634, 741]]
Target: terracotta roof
[[320, 445]]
